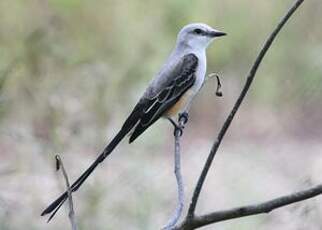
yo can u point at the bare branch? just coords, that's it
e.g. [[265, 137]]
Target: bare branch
[[240, 99], [71, 215], [265, 207], [177, 170]]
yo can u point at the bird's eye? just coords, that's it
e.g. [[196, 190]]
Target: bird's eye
[[197, 31]]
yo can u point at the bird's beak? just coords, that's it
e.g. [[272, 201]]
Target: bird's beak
[[215, 33]]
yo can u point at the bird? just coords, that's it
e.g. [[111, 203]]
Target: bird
[[168, 95]]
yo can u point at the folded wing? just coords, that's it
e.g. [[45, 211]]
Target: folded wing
[[151, 109]]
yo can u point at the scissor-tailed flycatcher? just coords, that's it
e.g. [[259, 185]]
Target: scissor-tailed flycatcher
[[168, 95]]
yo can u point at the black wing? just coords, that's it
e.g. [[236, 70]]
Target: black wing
[[151, 109]]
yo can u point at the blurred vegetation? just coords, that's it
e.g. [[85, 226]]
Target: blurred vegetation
[[71, 70]]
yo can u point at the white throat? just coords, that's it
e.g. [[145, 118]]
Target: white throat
[[183, 49]]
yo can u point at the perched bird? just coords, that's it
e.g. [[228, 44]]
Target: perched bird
[[168, 95]]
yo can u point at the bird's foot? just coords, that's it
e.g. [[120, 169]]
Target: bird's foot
[[184, 117], [178, 128]]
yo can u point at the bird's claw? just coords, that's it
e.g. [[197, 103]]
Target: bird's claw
[[184, 117], [178, 130], [178, 127], [182, 120]]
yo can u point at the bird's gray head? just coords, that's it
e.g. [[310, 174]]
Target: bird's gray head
[[197, 36]]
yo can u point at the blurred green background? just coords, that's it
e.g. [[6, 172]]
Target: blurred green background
[[72, 70]]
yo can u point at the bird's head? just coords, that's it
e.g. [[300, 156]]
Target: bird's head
[[197, 36]]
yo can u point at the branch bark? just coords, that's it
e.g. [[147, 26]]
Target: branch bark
[[71, 214], [260, 208], [249, 80], [177, 171]]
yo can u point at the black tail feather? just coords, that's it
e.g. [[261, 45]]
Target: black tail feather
[[56, 210], [129, 123], [55, 206]]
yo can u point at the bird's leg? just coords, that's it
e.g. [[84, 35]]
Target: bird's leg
[[182, 120], [178, 129]]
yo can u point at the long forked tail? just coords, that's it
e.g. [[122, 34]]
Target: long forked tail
[[55, 206]]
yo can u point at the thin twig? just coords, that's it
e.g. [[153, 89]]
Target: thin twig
[[71, 215], [210, 76], [180, 186], [230, 117], [260, 208]]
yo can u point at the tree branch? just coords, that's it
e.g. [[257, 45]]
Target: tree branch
[[177, 170], [71, 215], [265, 207], [240, 99]]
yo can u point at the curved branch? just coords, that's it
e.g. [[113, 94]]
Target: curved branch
[[265, 207], [240, 99]]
